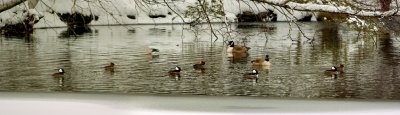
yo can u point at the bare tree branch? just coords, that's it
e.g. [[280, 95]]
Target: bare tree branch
[[174, 11], [204, 10]]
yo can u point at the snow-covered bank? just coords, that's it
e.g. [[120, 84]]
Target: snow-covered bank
[[138, 12], [105, 104]]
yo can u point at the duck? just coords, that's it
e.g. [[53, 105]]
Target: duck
[[333, 72], [261, 62], [110, 67], [237, 52], [175, 73], [59, 73], [151, 51], [253, 75], [340, 68], [199, 66], [236, 48]]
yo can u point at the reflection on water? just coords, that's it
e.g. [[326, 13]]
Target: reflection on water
[[297, 71], [72, 32]]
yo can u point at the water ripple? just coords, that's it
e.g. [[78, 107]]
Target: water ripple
[[297, 70]]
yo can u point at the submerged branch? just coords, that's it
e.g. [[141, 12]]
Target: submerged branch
[[208, 19]]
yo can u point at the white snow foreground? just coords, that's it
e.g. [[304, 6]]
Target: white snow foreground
[[17, 103]]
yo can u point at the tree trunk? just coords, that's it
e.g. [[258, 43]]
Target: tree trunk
[[32, 3], [385, 4], [7, 4]]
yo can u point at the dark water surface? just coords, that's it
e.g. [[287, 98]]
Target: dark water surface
[[372, 64]]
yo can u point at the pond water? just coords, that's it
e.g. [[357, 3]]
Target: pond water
[[372, 64]]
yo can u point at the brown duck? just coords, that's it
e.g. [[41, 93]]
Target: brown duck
[[199, 66], [261, 61], [110, 67]]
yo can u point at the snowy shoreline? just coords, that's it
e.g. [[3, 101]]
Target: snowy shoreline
[[122, 104], [130, 12]]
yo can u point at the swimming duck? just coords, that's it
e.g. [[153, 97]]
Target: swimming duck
[[253, 75], [261, 62], [59, 73], [238, 53], [59, 76], [333, 72], [152, 51], [340, 68], [199, 66], [236, 48], [175, 73], [110, 67]]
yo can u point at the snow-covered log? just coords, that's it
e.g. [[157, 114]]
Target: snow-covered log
[[20, 23], [7, 4], [332, 8]]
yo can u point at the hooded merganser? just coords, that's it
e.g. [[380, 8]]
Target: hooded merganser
[[253, 75], [333, 72], [59, 73]]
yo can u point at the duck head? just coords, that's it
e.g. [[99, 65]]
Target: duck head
[[334, 68], [202, 63], [178, 68], [155, 50], [255, 71], [266, 57], [61, 70]]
